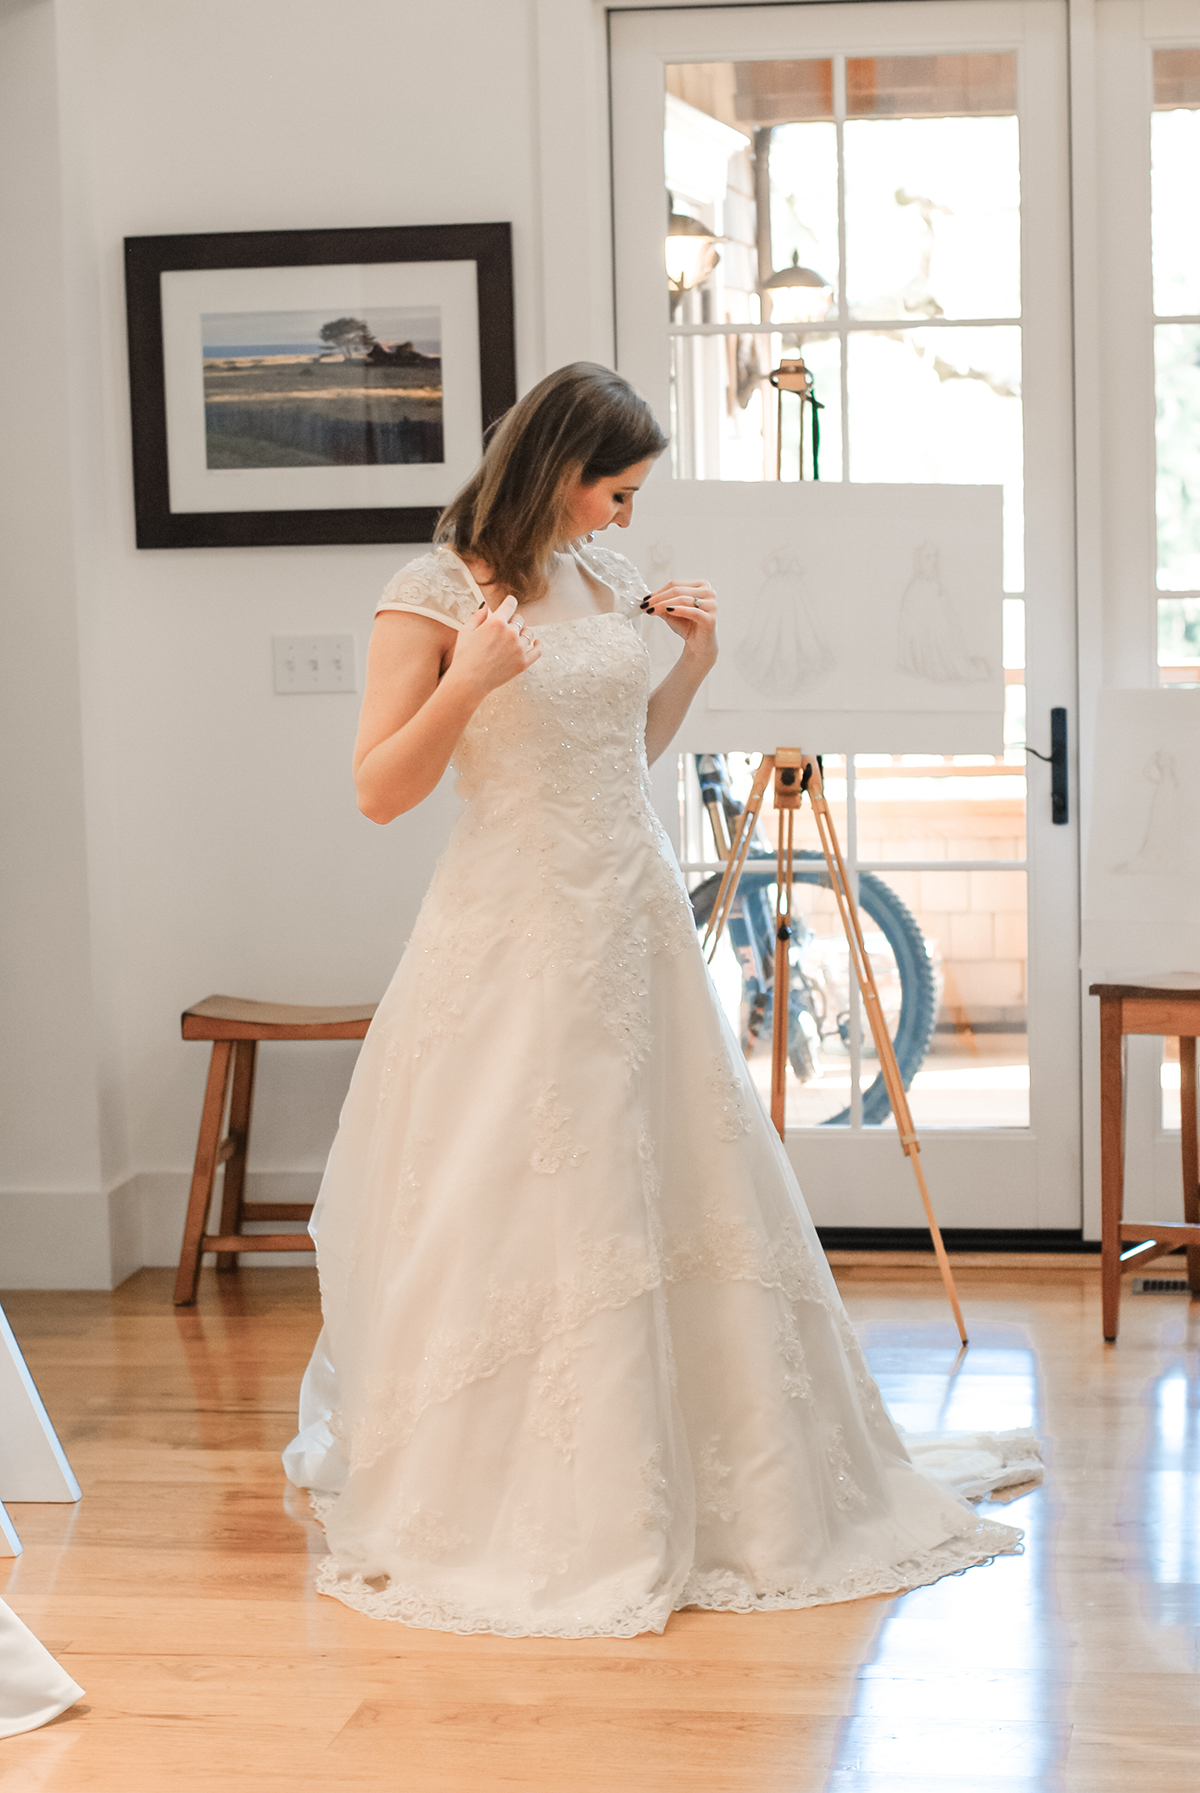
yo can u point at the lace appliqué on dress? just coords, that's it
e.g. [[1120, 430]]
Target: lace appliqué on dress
[[520, 1319], [654, 1514], [870, 1399], [557, 1397], [846, 1491], [728, 1250], [541, 1558], [619, 574], [797, 1383], [552, 1145], [730, 1112], [714, 1500], [431, 582], [517, 1321], [426, 1535]]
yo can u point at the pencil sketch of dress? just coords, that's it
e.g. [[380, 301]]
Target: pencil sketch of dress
[[784, 649], [1167, 826], [931, 638]]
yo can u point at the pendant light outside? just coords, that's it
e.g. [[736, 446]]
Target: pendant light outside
[[690, 256], [808, 293]]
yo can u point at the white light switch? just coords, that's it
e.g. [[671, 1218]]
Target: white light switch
[[314, 663]]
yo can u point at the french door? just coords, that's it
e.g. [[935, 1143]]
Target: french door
[[883, 189]]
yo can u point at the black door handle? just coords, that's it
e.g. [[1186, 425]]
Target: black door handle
[[1056, 759]]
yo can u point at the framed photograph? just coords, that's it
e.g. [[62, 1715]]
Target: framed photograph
[[302, 386]]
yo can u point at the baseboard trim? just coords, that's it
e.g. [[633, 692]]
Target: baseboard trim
[[957, 1239]]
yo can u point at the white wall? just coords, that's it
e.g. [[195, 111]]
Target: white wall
[[174, 828], [48, 1077]]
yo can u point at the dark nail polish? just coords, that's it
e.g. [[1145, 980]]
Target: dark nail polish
[[670, 606]]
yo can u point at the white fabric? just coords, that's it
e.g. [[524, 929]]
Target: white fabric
[[583, 1360], [33, 1688], [436, 585], [978, 1463]]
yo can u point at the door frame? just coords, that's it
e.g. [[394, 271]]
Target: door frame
[[1029, 1178]]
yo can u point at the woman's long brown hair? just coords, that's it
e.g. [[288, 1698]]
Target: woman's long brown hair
[[582, 420]]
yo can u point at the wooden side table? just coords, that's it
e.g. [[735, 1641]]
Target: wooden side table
[[235, 1026], [1144, 1008]]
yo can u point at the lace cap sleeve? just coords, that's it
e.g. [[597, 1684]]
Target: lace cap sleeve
[[623, 578], [433, 585]]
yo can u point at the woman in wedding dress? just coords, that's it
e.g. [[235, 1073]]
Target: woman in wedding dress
[[583, 1362]]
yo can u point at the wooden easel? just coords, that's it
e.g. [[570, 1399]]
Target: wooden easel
[[796, 774]]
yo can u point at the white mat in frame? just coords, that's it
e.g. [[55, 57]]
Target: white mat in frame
[[854, 618]]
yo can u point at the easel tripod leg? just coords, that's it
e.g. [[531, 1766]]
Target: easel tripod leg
[[789, 789], [869, 990]]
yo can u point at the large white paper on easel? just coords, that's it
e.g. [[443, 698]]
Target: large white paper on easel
[[854, 618], [33, 1464], [1141, 892]]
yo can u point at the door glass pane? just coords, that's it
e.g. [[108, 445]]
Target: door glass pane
[[1177, 428], [725, 418], [942, 405], [933, 218], [1179, 641], [973, 918], [1174, 177], [804, 210], [1174, 180], [930, 86]]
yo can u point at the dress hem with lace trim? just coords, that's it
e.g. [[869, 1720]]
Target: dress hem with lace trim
[[717, 1591]]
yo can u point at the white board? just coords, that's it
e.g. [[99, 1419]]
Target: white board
[[33, 1464], [1141, 892], [854, 618]]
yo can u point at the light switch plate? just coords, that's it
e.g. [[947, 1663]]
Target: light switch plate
[[314, 663]]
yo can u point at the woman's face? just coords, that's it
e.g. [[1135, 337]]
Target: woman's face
[[607, 501]]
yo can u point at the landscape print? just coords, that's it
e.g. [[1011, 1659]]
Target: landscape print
[[323, 388]]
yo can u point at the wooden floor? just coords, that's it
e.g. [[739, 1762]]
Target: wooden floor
[[179, 1590]]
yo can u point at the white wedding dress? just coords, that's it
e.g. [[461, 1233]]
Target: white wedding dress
[[583, 1361]]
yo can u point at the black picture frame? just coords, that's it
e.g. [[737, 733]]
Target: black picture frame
[[489, 246]]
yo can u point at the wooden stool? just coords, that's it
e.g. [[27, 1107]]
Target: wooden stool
[[235, 1028], [1141, 1008]]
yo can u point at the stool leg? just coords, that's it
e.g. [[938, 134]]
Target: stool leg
[[203, 1173], [1112, 1163], [1191, 1153], [241, 1101]]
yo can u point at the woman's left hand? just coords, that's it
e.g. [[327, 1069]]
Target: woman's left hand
[[689, 607]]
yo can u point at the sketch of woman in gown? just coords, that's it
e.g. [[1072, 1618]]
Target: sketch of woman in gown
[[784, 649], [931, 638], [1167, 826]]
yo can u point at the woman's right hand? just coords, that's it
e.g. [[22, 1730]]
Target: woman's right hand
[[492, 648]]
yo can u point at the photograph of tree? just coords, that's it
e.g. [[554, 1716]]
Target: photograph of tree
[[317, 389]]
